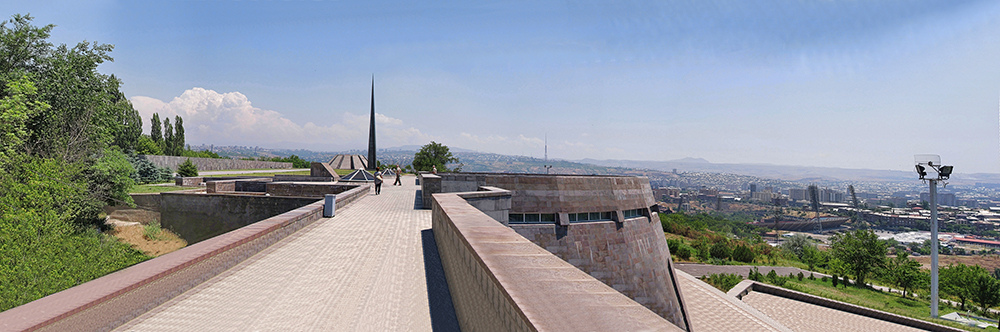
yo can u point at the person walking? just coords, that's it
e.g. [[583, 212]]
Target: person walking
[[378, 181], [399, 173]]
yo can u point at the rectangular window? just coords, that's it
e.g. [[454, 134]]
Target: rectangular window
[[572, 217], [531, 217], [548, 217], [516, 217]]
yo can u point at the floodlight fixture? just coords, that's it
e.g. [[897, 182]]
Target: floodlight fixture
[[921, 171], [945, 172]]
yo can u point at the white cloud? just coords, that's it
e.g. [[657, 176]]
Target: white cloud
[[230, 119]]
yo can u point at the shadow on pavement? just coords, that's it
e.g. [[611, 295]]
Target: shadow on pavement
[[438, 297], [418, 201]]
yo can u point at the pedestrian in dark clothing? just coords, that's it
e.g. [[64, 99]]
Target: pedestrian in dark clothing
[[399, 173], [378, 181]]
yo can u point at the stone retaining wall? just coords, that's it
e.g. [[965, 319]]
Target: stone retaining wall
[[500, 281], [110, 301], [197, 217], [213, 164], [631, 257], [747, 286]]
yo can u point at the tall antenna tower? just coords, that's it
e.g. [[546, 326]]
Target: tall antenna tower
[[546, 165]]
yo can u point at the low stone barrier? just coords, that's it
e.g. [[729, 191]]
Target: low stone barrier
[[500, 281], [110, 301], [746, 286]]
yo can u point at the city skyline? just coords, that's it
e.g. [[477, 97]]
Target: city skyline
[[831, 84]]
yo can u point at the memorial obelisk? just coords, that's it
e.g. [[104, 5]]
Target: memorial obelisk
[[372, 163]]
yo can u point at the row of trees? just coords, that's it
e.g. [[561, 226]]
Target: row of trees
[[65, 131], [166, 141]]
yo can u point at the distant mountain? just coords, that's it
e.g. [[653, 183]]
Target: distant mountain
[[691, 160], [416, 148]]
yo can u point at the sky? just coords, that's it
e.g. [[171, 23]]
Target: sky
[[852, 84]]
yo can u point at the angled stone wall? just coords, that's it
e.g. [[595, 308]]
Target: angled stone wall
[[630, 255], [500, 281]]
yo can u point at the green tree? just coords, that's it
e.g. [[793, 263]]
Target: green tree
[[148, 146], [797, 244], [720, 250], [985, 289], [903, 272], [860, 251], [955, 280], [155, 131], [178, 136], [168, 138], [187, 169], [743, 254], [433, 155], [17, 106]]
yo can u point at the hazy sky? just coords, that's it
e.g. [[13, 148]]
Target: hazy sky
[[856, 84]]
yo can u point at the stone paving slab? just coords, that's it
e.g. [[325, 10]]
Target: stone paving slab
[[372, 267], [801, 316]]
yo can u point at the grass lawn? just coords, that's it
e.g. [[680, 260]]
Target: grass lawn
[[889, 302], [149, 188]]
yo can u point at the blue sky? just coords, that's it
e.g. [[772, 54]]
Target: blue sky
[[856, 84]]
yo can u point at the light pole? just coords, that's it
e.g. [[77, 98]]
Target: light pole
[[931, 163]]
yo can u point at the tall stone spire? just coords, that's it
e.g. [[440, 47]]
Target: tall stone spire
[[371, 132]]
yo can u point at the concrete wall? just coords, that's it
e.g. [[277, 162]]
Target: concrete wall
[[196, 217], [110, 301], [631, 257], [539, 193], [212, 164], [500, 281], [307, 189]]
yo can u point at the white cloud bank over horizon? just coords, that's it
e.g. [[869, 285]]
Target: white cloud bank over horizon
[[230, 118]]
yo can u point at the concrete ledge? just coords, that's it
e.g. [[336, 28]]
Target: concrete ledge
[[746, 286], [112, 300], [500, 281]]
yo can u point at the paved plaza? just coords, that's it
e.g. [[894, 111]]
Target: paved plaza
[[372, 267]]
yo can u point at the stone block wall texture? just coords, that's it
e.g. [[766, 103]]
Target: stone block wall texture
[[212, 187], [196, 217], [323, 170], [492, 201], [191, 181], [108, 302], [631, 257], [213, 164], [538, 193], [304, 178], [500, 281], [307, 189], [147, 201]]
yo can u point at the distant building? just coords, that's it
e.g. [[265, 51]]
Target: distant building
[[798, 194], [942, 198]]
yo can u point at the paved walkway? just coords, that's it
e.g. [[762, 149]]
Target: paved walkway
[[372, 267]]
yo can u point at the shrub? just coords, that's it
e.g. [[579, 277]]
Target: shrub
[[683, 252], [723, 281], [187, 169], [720, 250], [800, 276], [823, 279], [147, 172], [775, 279], [743, 254], [755, 275], [834, 278], [812, 277]]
